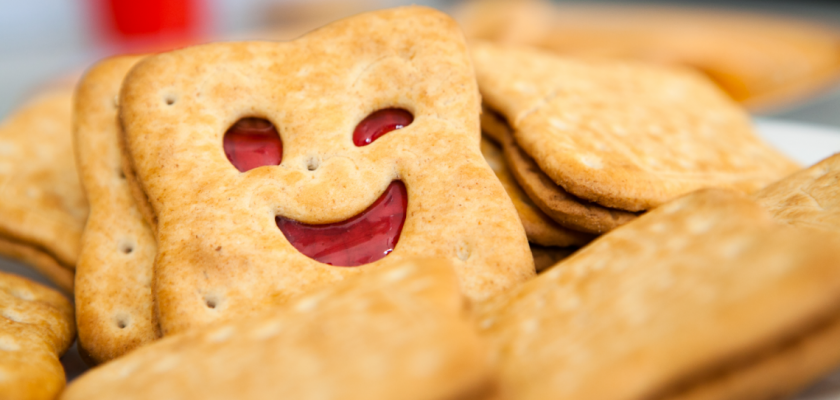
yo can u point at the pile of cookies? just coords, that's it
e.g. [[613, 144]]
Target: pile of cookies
[[362, 212]]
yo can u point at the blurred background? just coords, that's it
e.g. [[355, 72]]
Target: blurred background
[[43, 40]]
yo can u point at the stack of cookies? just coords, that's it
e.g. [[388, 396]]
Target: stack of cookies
[[323, 219], [595, 144]]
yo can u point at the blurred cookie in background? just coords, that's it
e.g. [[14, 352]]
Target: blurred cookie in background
[[42, 209], [764, 62]]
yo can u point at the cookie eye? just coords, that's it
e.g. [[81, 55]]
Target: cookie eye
[[252, 143], [380, 123]]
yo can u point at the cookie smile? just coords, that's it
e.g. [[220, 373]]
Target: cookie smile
[[361, 239]]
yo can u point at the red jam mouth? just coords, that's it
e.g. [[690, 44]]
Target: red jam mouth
[[252, 143], [361, 239], [380, 123]]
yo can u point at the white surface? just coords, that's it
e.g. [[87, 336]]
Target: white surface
[[807, 144]]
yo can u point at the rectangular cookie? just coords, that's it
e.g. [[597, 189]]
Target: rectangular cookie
[[114, 307], [397, 333], [275, 168], [36, 329], [705, 297], [808, 198], [622, 135], [43, 209]]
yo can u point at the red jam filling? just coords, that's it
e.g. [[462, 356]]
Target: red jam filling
[[362, 239], [380, 123], [252, 143]]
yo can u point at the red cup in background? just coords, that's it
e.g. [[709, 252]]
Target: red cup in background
[[148, 25]]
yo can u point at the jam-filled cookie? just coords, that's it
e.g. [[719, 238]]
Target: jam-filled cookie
[[272, 168]]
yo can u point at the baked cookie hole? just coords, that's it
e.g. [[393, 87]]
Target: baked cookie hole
[[251, 143], [122, 321], [126, 247], [212, 301], [379, 123], [169, 99], [121, 173], [312, 163]]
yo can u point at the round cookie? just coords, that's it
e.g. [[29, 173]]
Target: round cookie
[[36, 328]]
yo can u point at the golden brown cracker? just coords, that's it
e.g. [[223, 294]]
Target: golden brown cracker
[[539, 228], [36, 328], [493, 125], [704, 297], [548, 200], [114, 305], [564, 208], [398, 333], [763, 61], [220, 250], [44, 263], [43, 206], [624, 135], [808, 198]]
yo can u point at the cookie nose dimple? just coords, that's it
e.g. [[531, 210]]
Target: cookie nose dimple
[[251, 143]]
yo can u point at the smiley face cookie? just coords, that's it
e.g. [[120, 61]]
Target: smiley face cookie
[[42, 209], [623, 136], [705, 297], [114, 307], [397, 333], [36, 328], [274, 168]]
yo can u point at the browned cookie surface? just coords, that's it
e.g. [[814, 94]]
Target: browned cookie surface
[[42, 205], [624, 135], [539, 228], [397, 333], [220, 250], [36, 328], [546, 257], [114, 306], [762, 61], [705, 297], [563, 207], [808, 198]]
